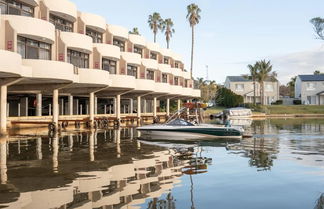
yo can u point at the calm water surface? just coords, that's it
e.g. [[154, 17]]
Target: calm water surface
[[281, 167]]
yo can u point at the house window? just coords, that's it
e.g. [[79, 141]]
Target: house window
[[61, 24], [269, 87], [166, 61], [186, 83], [132, 70], [176, 65], [138, 50], [96, 36], [309, 100], [109, 65], [239, 87], [12, 7], [150, 74], [153, 56], [310, 86], [78, 59], [164, 78], [31, 49], [120, 44], [176, 81]]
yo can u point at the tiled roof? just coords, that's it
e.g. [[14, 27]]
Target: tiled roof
[[312, 77]]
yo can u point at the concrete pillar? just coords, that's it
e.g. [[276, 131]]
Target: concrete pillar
[[105, 109], [115, 105], [38, 104], [70, 106], [39, 149], [3, 109], [131, 105], [81, 110], [62, 106], [3, 161], [55, 107], [91, 145], [154, 107], [50, 109], [70, 142], [95, 105], [118, 106], [117, 141], [19, 109], [144, 106], [24, 106], [179, 104], [55, 147], [168, 107], [139, 107], [92, 108]]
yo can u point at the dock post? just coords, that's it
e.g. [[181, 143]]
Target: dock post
[[55, 108], [138, 110], [179, 104], [154, 107], [118, 107], [38, 104], [3, 160], [168, 107], [92, 104], [3, 108]]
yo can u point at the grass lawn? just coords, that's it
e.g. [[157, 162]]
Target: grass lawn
[[295, 109]]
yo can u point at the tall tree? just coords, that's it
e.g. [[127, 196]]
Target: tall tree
[[253, 76], [155, 23], [134, 31], [318, 24], [265, 73], [317, 72], [167, 28], [291, 86], [193, 16]]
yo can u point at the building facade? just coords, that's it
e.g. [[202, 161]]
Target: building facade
[[310, 89], [244, 87], [56, 60]]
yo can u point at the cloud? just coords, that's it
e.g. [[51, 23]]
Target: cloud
[[293, 64]]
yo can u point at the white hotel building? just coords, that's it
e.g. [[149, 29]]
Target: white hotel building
[[56, 60]]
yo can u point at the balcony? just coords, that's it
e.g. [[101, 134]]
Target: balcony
[[163, 88], [108, 51], [62, 8], [33, 28], [94, 22], [94, 77], [164, 68], [10, 65], [145, 85], [118, 31], [167, 53], [188, 92], [196, 93], [177, 57], [186, 75], [76, 41], [122, 81], [177, 72], [137, 40], [176, 90], [153, 47], [33, 3], [150, 64], [51, 71], [132, 58]]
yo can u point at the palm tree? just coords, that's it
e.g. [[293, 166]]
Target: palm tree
[[264, 74], [167, 27], [134, 31], [193, 17], [253, 76], [155, 23]]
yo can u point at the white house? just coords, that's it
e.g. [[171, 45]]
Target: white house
[[310, 89]]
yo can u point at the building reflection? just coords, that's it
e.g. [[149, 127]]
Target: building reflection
[[105, 169]]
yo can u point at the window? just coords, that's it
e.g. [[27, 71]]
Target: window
[[132, 70], [186, 83], [96, 36], [269, 87], [109, 65], [176, 81], [153, 56], [239, 87], [120, 44], [12, 7], [164, 78], [166, 60], [138, 51], [310, 86], [176, 65], [61, 24], [78, 59], [150, 74], [31, 49]]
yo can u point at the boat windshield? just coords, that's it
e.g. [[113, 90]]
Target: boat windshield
[[179, 122]]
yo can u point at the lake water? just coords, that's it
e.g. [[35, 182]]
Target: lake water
[[281, 167]]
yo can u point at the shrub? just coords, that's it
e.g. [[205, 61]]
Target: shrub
[[278, 102], [227, 98], [297, 102]]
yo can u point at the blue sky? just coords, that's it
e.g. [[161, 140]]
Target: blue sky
[[231, 34]]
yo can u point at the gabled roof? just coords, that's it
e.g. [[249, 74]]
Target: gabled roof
[[319, 77], [243, 79]]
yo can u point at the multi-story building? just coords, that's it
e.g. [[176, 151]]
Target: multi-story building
[[56, 60], [245, 87], [310, 89]]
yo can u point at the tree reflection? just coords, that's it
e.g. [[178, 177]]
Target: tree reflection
[[167, 203], [320, 202]]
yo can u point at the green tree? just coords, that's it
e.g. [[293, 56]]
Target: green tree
[[193, 16], [318, 24], [155, 23], [167, 28], [291, 86], [253, 76], [317, 72], [227, 98], [265, 73], [134, 31]]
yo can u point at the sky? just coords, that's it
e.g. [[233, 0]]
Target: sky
[[231, 33]]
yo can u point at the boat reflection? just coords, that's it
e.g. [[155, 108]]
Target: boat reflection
[[95, 169]]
